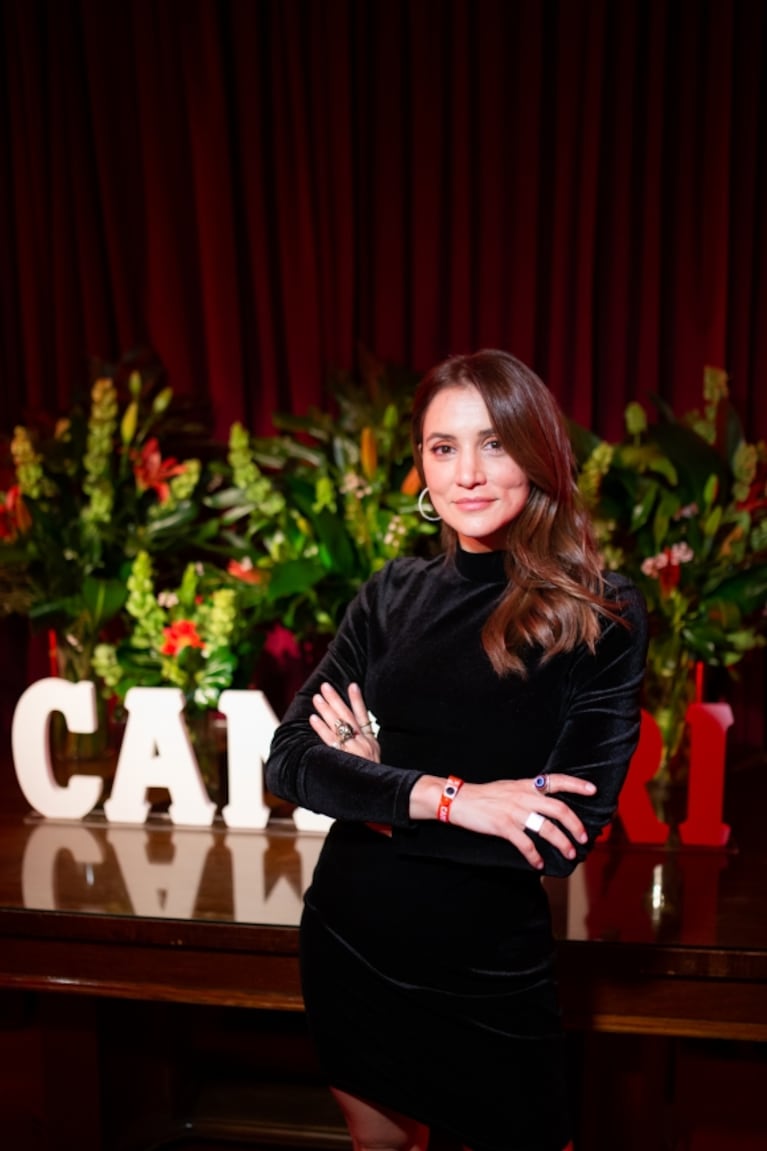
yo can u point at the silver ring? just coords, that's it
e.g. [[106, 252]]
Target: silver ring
[[344, 731], [534, 821]]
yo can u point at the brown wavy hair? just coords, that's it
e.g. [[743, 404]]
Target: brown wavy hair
[[555, 595]]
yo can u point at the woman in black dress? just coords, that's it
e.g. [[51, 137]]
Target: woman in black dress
[[504, 679]]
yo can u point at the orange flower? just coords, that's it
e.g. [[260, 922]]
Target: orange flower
[[183, 633], [412, 482], [368, 453], [245, 571], [151, 471]]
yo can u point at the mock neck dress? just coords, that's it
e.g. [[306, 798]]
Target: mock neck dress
[[427, 956]]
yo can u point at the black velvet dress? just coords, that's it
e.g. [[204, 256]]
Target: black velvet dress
[[427, 956]]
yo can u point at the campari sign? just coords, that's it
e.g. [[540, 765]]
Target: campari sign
[[156, 752]]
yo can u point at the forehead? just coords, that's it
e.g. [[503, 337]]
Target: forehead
[[454, 409]]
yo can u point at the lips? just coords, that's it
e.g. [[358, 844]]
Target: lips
[[472, 505]]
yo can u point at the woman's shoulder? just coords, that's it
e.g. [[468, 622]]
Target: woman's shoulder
[[625, 597], [617, 585]]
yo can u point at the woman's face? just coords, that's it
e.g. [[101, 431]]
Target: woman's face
[[474, 484]]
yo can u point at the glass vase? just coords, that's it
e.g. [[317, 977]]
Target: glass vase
[[74, 752], [671, 685]]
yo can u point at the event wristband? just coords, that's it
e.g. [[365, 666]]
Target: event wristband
[[452, 786]]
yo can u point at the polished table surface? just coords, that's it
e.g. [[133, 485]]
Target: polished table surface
[[650, 940]]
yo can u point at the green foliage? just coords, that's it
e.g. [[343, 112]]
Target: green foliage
[[173, 570], [90, 492], [312, 512], [197, 637], [680, 505]]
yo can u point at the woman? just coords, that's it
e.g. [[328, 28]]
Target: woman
[[504, 679]]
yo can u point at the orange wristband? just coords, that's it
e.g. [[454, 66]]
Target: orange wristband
[[452, 786]]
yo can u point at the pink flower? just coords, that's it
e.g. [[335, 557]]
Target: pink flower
[[666, 565]]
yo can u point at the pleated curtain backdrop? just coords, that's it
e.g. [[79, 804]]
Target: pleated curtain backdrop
[[252, 187]]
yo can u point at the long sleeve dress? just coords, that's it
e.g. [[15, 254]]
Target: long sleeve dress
[[427, 956]]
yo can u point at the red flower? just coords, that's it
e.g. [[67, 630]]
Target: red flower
[[14, 516], [668, 576], [151, 471], [183, 633]]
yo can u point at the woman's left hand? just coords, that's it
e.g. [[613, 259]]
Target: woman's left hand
[[334, 718]]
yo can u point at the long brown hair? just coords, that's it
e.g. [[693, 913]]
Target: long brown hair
[[554, 598]]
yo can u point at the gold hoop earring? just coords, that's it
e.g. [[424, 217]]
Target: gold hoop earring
[[423, 496]]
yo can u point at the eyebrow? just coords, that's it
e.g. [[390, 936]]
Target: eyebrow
[[450, 436]]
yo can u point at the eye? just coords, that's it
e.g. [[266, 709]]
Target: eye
[[441, 449], [494, 444]]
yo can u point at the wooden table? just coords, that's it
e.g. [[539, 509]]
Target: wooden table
[[651, 942]]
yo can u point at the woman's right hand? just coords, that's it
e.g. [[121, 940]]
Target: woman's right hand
[[503, 807], [332, 710]]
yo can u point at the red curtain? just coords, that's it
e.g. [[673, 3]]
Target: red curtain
[[251, 187]]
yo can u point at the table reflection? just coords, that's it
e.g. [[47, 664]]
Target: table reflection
[[620, 894], [168, 873], [645, 895]]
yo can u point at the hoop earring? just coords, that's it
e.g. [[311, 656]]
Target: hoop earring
[[432, 519]]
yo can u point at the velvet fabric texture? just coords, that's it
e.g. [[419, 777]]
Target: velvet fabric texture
[[412, 641], [427, 956]]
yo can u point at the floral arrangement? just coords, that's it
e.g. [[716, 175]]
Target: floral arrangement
[[87, 495], [308, 516], [197, 637], [680, 506], [171, 565]]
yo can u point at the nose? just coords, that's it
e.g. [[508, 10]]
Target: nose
[[469, 473]]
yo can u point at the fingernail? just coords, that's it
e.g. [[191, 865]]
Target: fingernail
[[583, 838], [570, 853], [590, 788]]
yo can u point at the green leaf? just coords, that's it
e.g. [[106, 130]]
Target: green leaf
[[103, 598], [747, 588], [582, 439], [228, 498], [712, 521], [178, 517], [710, 491], [294, 578], [642, 508], [694, 459], [317, 424], [335, 546]]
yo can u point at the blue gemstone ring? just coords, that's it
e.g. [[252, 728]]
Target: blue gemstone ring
[[541, 783]]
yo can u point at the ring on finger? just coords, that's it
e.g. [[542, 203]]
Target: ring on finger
[[366, 726], [344, 731], [534, 821], [542, 783]]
